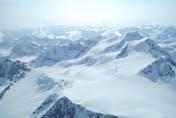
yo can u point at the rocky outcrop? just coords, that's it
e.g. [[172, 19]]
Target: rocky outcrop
[[64, 108], [12, 71], [160, 70]]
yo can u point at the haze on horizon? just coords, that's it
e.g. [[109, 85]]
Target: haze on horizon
[[33, 13]]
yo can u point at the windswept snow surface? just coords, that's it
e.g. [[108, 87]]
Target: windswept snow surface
[[115, 88], [25, 96], [100, 72], [4, 52]]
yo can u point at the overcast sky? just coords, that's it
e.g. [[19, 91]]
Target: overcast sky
[[29, 13]]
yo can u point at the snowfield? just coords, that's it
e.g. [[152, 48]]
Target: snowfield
[[96, 74]]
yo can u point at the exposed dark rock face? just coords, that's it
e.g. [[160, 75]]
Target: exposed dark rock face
[[4, 92], [12, 70], [45, 104], [64, 108], [160, 70]]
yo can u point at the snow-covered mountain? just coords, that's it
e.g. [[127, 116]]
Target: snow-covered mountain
[[115, 46], [12, 71], [100, 70], [26, 48], [167, 40], [168, 33], [58, 53], [10, 37], [150, 46], [145, 45], [64, 108], [133, 36], [160, 70]]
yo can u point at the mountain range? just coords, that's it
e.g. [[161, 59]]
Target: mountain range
[[88, 72]]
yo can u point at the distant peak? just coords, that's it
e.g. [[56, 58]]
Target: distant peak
[[133, 35]]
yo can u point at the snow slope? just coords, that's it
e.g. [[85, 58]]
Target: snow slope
[[28, 94], [100, 72], [160, 70]]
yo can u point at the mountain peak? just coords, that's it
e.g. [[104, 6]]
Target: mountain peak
[[151, 47], [168, 33], [64, 108], [133, 35], [161, 70], [11, 71]]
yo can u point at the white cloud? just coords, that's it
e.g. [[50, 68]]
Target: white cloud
[[43, 34], [74, 35], [61, 37], [51, 36]]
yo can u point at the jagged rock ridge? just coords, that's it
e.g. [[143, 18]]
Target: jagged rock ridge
[[160, 70], [12, 70], [64, 108]]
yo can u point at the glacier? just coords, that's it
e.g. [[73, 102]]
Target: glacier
[[88, 72]]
